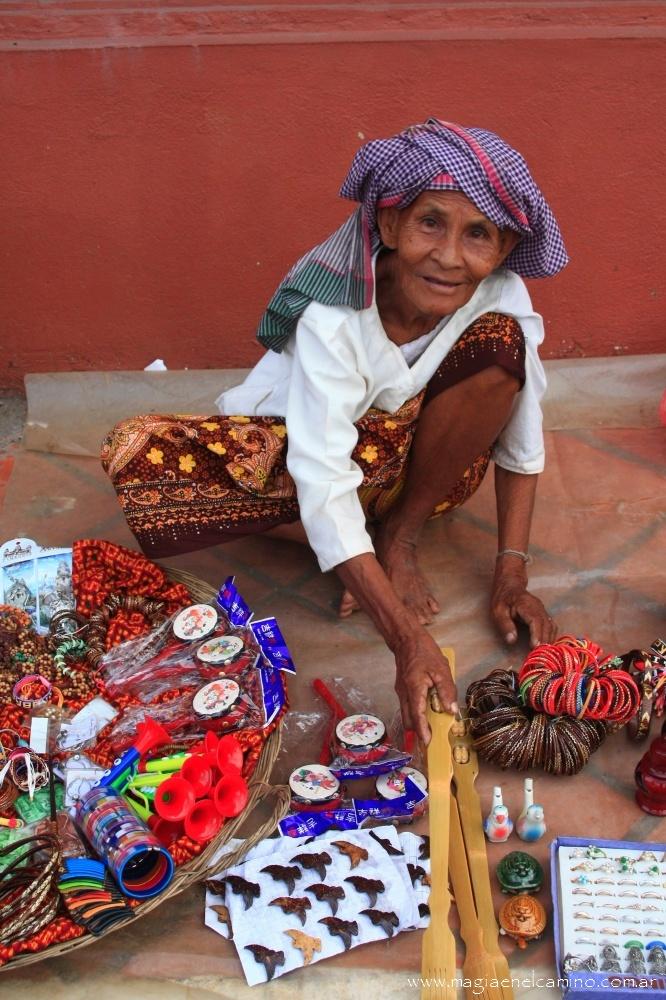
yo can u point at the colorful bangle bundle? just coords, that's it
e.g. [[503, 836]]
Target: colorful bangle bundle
[[100, 621], [649, 670], [141, 865], [29, 897], [512, 735], [572, 677]]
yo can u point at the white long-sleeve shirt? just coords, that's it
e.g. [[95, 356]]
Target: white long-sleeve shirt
[[338, 364]]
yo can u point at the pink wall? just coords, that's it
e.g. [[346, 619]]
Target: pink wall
[[155, 187]]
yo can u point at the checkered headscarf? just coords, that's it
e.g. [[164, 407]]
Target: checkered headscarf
[[435, 156]]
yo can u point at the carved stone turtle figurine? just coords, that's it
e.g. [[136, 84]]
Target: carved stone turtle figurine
[[519, 872], [523, 918]]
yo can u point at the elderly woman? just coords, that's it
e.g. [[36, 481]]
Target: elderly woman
[[402, 358]]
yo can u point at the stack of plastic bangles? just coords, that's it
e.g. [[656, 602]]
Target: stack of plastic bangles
[[573, 677]]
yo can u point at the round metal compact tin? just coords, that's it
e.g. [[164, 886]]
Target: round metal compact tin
[[216, 698], [220, 649], [314, 784], [195, 622], [392, 785], [360, 732]]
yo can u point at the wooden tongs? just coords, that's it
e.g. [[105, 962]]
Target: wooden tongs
[[485, 964]]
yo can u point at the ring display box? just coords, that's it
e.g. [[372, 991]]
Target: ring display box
[[609, 917]]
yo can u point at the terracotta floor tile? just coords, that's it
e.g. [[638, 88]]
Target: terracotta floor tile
[[54, 498], [587, 498], [644, 446], [643, 568]]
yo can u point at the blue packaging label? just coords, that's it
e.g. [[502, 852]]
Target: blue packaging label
[[232, 603], [272, 690], [351, 817], [306, 824], [268, 634], [371, 769], [381, 809]]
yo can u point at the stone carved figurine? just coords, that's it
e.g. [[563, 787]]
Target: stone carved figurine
[[530, 825], [497, 825]]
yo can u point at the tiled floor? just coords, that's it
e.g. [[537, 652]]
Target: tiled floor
[[598, 543]]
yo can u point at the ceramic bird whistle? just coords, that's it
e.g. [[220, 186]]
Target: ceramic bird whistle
[[497, 825], [530, 825]]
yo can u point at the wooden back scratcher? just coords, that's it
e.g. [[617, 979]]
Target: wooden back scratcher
[[465, 770], [438, 955], [478, 966]]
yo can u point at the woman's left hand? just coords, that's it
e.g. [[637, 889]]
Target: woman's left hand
[[511, 603]]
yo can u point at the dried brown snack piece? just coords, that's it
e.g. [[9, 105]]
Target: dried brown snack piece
[[241, 887], [344, 929], [316, 862], [370, 886], [308, 945], [386, 844], [424, 848], [355, 853], [216, 886], [416, 873], [224, 917], [283, 873], [293, 905], [327, 894], [270, 959], [387, 921]]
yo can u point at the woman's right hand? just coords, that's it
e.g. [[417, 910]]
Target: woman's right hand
[[420, 666]]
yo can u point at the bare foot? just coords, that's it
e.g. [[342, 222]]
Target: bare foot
[[348, 605], [398, 559]]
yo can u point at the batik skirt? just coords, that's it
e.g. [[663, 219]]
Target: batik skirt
[[188, 482]]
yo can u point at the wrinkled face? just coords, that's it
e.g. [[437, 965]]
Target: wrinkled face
[[445, 247]]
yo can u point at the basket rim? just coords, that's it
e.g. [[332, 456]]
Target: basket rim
[[194, 870]]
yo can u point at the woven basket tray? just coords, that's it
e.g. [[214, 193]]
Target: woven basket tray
[[198, 868]]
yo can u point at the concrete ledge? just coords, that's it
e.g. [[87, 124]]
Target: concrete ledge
[[69, 412], [70, 24]]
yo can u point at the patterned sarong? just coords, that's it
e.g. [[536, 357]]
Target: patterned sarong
[[188, 482]]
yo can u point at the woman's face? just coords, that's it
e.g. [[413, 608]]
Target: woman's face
[[445, 247]]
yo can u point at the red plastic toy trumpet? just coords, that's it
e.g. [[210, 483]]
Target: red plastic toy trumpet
[[208, 789]]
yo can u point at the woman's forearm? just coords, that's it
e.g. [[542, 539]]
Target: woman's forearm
[[420, 664], [515, 495], [510, 601], [364, 577]]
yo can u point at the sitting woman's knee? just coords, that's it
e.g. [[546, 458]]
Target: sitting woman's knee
[[496, 378]]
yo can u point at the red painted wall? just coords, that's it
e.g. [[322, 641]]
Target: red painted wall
[[155, 187]]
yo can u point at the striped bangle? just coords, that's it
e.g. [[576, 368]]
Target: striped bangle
[[525, 556]]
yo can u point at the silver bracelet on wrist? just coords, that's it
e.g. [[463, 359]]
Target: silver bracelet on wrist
[[525, 556]]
